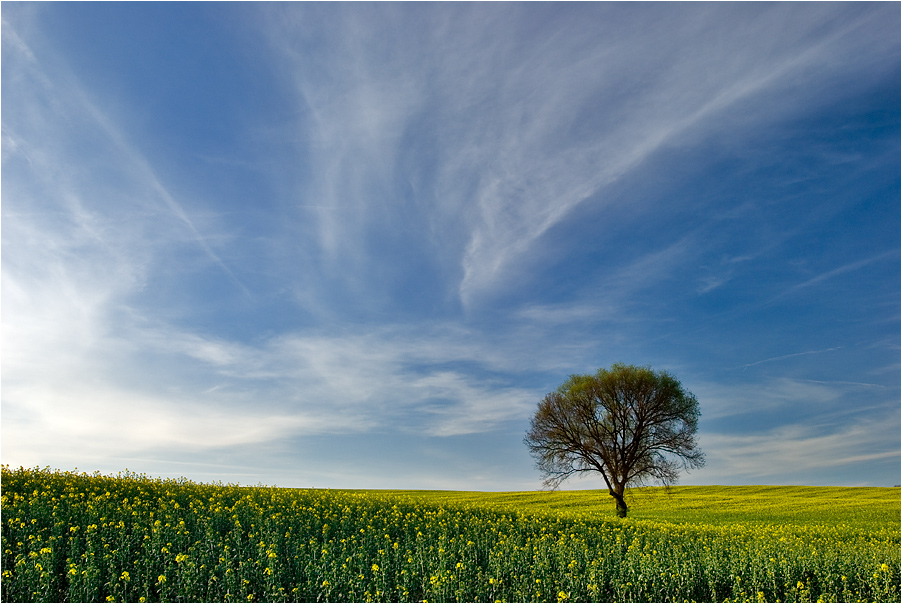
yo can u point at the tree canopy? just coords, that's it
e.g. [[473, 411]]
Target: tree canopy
[[631, 424]]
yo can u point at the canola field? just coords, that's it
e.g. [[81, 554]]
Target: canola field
[[90, 538]]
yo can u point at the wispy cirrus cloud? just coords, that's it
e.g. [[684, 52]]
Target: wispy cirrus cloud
[[789, 356], [786, 455], [841, 270], [770, 402], [50, 136], [523, 131], [199, 393]]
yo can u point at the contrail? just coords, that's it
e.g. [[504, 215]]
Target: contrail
[[147, 170], [786, 356]]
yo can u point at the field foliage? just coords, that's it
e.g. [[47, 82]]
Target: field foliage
[[77, 537]]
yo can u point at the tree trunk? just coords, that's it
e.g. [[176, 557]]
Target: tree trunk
[[621, 504]]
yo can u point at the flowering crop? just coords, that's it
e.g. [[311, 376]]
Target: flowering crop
[[77, 537]]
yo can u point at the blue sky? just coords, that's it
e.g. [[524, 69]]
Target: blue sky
[[353, 245]]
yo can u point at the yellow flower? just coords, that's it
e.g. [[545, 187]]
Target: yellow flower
[[161, 579], [375, 567]]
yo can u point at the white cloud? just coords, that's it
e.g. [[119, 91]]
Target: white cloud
[[83, 170], [551, 314], [524, 130], [788, 453], [765, 396], [101, 402], [463, 408], [846, 268]]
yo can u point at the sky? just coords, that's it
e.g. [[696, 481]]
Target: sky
[[351, 245]]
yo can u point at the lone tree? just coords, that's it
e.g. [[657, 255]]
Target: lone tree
[[630, 424]]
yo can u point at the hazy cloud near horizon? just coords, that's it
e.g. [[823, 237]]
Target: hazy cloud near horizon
[[355, 244]]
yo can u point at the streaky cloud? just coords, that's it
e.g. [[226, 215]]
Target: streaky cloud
[[841, 270], [79, 107], [789, 356], [786, 453]]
